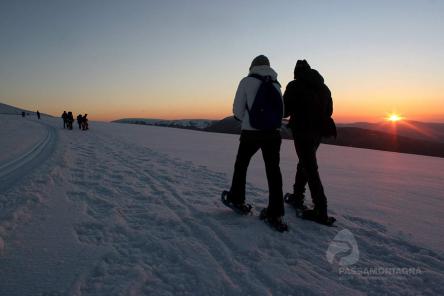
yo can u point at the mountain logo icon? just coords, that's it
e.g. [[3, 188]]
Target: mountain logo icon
[[344, 247]]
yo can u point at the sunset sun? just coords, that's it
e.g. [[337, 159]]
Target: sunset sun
[[393, 117]]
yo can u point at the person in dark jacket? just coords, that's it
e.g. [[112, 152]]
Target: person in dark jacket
[[79, 120], [308, 102], [85, 122], [65, 118], [69, 120], [38, 114]]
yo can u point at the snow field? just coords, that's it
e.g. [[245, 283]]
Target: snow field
[[129, 210]]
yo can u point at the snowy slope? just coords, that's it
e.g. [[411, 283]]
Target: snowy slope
[[132, 210], [7, 109], [11, 110]]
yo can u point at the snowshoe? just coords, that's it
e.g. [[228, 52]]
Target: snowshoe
[[295, 201], [274, 222], [314, 216], [240, 208]]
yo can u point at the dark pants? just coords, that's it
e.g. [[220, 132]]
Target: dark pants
[[270, 144], [307, 170]]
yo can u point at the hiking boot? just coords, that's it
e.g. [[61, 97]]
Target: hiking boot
[[243, 208], [239, 207], [295, 200], [276, 223], [318, 215], [230, 197]]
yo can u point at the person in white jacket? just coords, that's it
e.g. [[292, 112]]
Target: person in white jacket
[[251, 140]]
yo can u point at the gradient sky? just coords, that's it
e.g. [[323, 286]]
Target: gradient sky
[[184, 59]]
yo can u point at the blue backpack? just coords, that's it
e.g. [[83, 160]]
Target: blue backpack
[[267, 110]]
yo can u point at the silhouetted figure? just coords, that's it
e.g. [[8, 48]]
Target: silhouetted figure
[[85, 122], [260, 130], [65, 119], [79, 120], [69, 120], [309, 104], [38, 114], [23, 113]]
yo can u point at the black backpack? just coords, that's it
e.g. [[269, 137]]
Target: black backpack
[[328, 126], [320, 109], [267, 110]]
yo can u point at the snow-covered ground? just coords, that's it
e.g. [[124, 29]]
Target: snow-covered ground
[[134, 210], [16, 141]]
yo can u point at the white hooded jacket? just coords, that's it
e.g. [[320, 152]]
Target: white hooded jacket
[[246, 93]]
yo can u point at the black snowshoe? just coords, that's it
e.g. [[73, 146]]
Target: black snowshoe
[[315, 216], [295, 201], [274, 222], [240, 208]]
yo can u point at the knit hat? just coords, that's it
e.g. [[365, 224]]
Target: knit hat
[[301, 66], [260, 60]]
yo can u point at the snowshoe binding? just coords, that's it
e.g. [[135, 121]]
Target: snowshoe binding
[[315, 216], [274, 222], [240, 208], [297, 202]]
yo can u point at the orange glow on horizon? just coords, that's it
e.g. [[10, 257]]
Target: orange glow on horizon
[[371, 107], [341, 116]]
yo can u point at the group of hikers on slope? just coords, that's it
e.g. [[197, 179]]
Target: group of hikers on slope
[[68, 120], [260, 106], [36, 113]]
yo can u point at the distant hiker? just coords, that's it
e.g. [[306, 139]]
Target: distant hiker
[[65, 119], [23, 113], [79, 120], [69, 120], [38, 114], [84, 122], [258, 104], [309, 104]]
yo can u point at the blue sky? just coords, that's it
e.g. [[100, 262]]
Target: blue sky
[[175, 59]]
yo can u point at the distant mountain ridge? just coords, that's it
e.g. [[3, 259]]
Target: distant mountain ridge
[[407, 128], [408, 137], [196, 124]]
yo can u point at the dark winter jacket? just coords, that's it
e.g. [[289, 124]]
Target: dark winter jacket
[[70, 117], [308, 102]]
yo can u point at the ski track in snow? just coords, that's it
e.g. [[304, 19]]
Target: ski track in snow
[[12, 171], [14, 201], [143, 222]]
